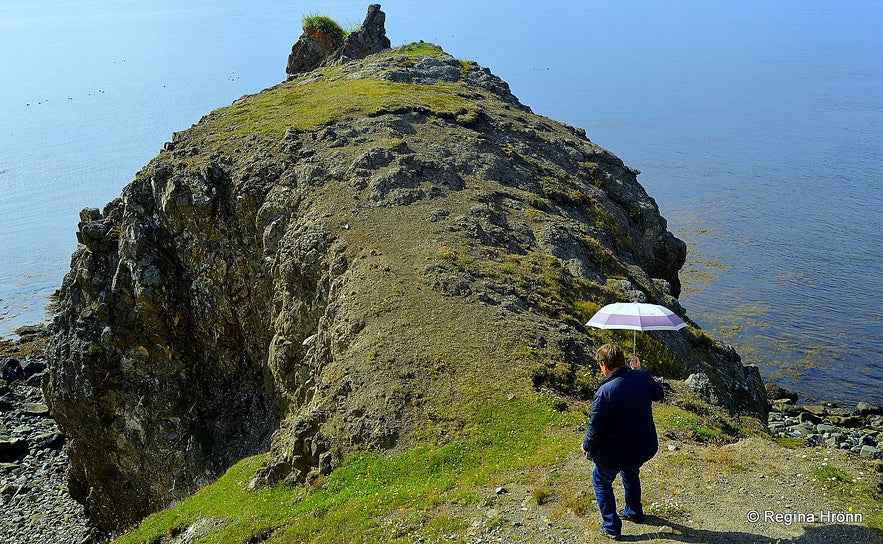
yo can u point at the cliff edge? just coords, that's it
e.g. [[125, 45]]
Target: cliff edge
[[345, 262]]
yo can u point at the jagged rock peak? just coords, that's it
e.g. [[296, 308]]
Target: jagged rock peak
[[321, 47]]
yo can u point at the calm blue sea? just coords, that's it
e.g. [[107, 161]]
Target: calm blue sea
[[758, 127]]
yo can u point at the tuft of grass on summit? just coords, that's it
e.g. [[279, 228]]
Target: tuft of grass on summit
[[317, 22]]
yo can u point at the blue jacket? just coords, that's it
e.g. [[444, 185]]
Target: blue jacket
[[621, 432]]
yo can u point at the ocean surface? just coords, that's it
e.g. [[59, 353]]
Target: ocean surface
[[758, 128]]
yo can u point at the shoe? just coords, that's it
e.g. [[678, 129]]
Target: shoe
[[633, 519], [611, 536]]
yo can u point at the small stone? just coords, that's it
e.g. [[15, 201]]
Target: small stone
[[36, 380], [673, 447], [870, 452], [36, 409], [501, 490], [33, 366], [50, 440], [10, 369]]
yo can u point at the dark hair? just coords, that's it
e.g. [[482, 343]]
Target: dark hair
[[611, 355]]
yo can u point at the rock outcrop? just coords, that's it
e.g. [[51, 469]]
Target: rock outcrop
[[320, 47], [326, 265]]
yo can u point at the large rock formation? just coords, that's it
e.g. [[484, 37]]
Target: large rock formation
[[326, 265]]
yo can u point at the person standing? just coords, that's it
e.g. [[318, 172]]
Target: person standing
[[620, 435]]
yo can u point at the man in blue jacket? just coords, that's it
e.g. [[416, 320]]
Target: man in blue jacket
[[621, 435]]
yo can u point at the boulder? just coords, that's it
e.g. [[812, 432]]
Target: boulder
[[847, 421], [804, 417], [50, 440], [871, 452], [32, 366], [311, 50], [865, 409], [12, 449], [775, 392], [700, 384], [10, 369]]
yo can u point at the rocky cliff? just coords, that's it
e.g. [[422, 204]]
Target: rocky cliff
[[331, 264]]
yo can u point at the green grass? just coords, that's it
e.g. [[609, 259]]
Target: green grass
[[850, 494], [789, 443], [711, 426], [330, 95], [306, 107], [269, 114], [317, 22], [375, 497], [420, 49], [831, 477]]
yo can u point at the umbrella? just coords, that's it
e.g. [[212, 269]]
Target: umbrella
[[636, 316]]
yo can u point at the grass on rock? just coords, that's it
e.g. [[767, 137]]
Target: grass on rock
[[377, 497]]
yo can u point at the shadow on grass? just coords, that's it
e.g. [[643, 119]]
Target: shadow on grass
[[657, 528]]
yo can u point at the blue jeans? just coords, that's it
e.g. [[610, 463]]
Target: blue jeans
[[602, 481]]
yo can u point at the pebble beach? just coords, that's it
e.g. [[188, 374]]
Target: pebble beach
[[36, 505]]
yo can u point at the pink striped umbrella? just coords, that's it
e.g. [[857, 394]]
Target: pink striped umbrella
[[636, 316]]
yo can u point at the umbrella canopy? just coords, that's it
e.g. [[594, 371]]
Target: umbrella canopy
[[636, 316]]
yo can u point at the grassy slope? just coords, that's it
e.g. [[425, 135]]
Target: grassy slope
[[435, 492], [357, 500]]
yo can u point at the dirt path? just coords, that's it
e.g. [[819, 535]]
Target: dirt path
[[750, 492]]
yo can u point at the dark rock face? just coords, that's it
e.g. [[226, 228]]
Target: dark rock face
[[316, 48], [151, 376], [370, 38], [297, 288], [311, 50]]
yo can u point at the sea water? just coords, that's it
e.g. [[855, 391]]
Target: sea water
[[758, 128]]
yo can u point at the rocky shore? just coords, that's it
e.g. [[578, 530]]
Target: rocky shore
[[33, 458], [859, 430]]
